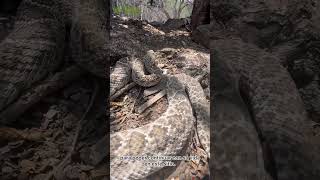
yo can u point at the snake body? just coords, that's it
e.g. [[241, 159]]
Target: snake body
[[133, 68], [276, 105], [169, 134], [32, 50], [165, 136], [237, 149], [35, 47], [89, 35]]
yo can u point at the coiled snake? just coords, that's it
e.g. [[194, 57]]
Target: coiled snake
[[167, 135]]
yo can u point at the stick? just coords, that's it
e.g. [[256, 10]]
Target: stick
[[121, 91], [154, 89], [150, 91], [151, 101]]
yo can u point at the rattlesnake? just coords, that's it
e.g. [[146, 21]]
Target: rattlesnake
[[35, 47], [122, 73], [166, 136], [276, 105], [237, 150]]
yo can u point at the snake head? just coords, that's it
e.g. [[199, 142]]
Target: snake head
[[8, 92]]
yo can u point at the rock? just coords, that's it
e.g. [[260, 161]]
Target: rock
[[156, 24]]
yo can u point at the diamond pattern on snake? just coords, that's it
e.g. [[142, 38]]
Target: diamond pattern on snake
[[169, 134]]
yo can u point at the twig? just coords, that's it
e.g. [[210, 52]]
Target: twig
[[151, 101], [50, 85], [150, 91], [75, 139], [121, 91], [154, 89]]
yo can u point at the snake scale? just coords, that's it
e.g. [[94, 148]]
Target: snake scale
[[169, 134], [237, 149], [277, 108], [35, 47]]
